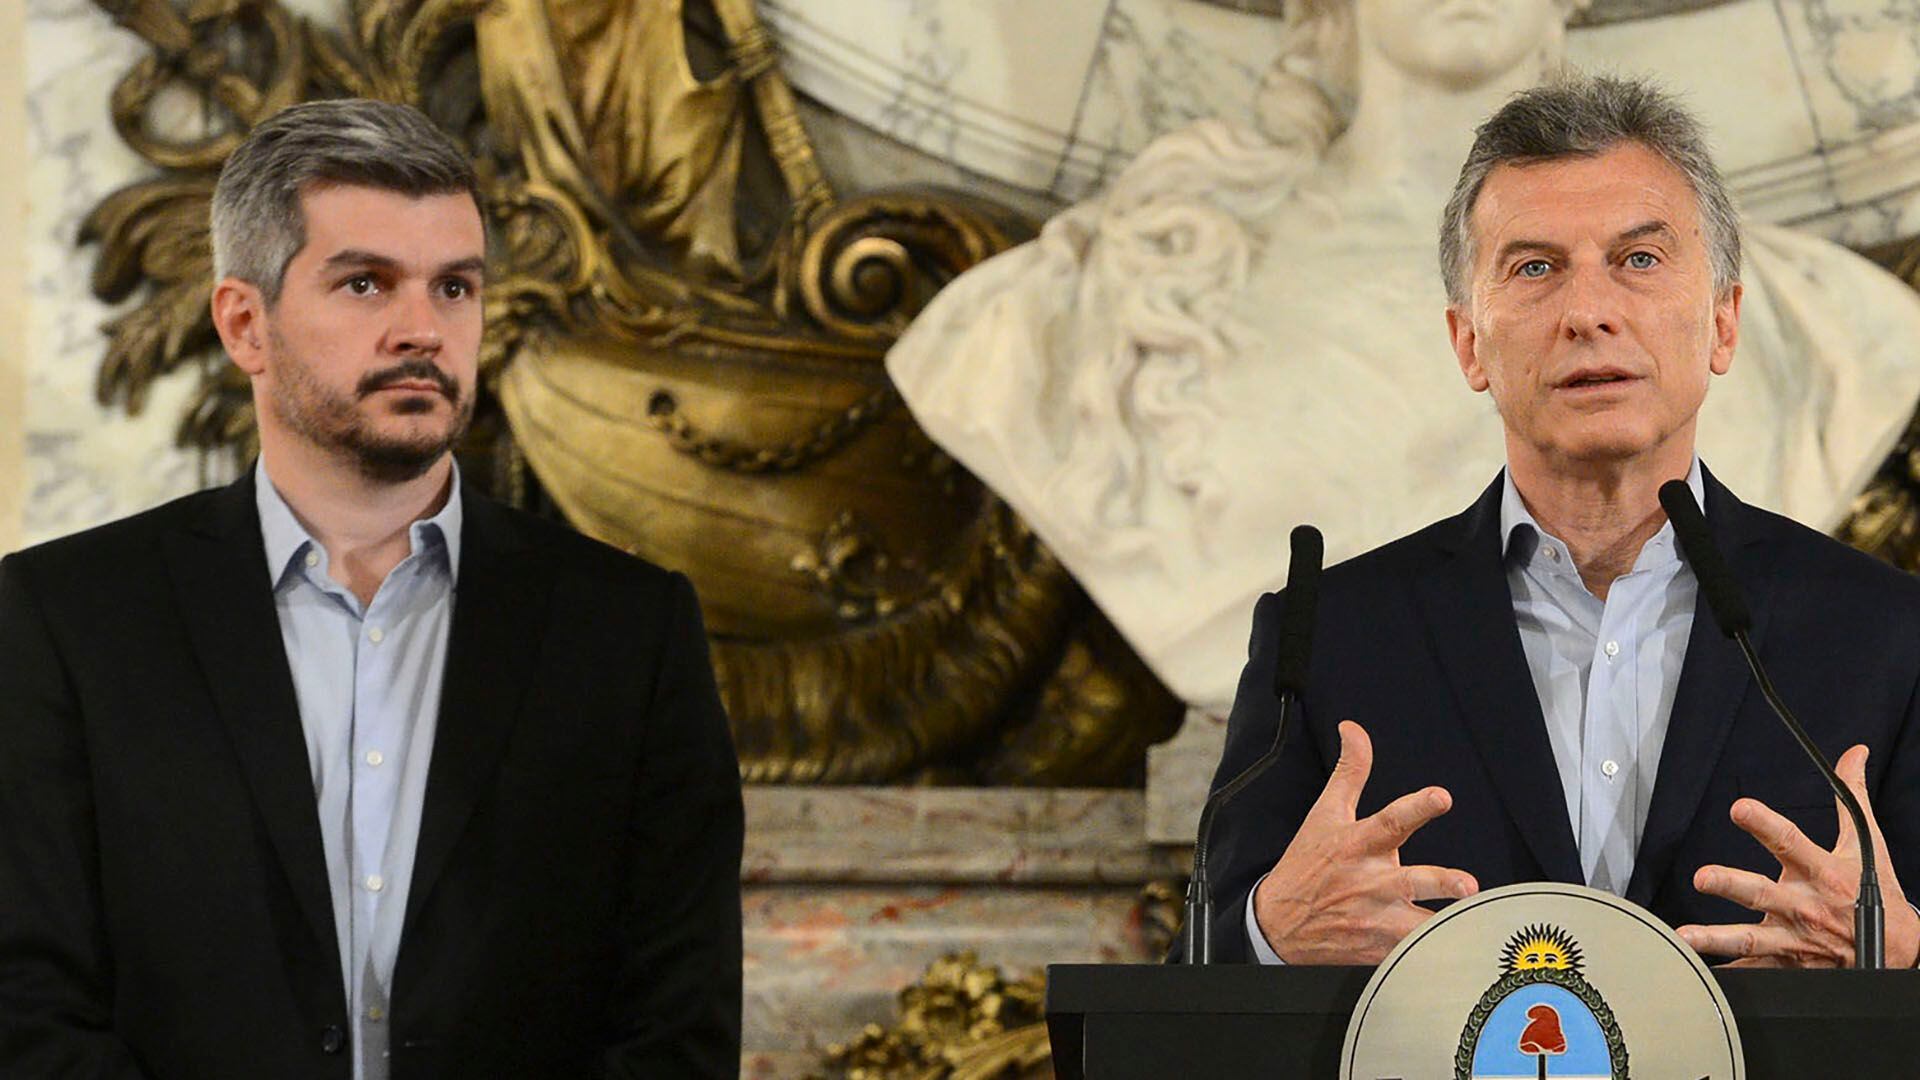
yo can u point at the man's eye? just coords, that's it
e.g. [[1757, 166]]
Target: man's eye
[[359, 284], [1642, 260], [456, 289], [1535, 268]]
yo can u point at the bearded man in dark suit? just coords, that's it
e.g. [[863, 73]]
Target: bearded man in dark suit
[[1533, 690], [346, 771]]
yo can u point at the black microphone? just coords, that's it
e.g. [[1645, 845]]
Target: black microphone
[[1723, 598], [1295, 647]]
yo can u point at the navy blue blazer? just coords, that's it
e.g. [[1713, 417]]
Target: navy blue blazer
[[1416, 641]]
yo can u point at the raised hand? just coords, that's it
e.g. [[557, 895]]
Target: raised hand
[[1808, 909], [1339, 895]]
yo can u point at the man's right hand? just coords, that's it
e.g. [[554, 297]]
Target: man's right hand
[[1339, 895]]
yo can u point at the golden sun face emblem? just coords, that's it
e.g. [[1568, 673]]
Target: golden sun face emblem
[[1539, 948]]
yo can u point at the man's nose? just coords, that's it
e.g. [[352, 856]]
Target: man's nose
[[1592, 305], [416, 326]]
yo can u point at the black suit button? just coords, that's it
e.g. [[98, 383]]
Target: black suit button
[[333, 1039]]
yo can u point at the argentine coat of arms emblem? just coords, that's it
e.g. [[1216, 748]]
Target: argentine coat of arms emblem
[[1542, 981], [1542, 1018]]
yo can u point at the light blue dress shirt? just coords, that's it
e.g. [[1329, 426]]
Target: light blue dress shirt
[[367, 680], [1605, 672]]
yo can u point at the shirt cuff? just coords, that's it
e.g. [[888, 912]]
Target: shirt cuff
[[1262, 951]]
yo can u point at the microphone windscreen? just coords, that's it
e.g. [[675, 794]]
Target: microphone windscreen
[[1303, 599], [1717, 585]]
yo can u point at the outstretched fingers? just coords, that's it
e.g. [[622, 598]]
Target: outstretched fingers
[[1744, 940], [1342, 793], [1852, 768], [1778, 835], [1389, 829], [1438, 883], [1755, 892]]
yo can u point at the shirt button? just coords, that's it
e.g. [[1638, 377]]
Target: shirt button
[[1553, 553], [1608, 768], [313, 558], [375, 757], [1613, 649], [376, 635], [375, 882]]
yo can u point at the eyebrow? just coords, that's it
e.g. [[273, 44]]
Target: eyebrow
[[1519, 247], [354, 257], [1644, 229], [1648, 228]]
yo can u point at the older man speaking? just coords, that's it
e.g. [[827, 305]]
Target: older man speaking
[[1529, 691]]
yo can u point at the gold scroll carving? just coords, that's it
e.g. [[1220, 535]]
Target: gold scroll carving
[[964, 1020], [685, 333]]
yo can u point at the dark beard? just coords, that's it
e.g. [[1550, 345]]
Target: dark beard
[[394, 461], [334, 422]]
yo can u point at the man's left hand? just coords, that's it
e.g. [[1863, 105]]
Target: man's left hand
[[1809, 909]]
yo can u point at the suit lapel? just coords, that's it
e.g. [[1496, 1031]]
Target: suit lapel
[[499, 612], [220, 574], [1469, 612], [1713, 682]]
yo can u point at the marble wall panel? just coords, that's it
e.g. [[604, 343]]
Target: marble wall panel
[[1859, 62], [1754, 144], [1161, 65], [1179, 776], [949, 835], [992, 85], [87, 463], [13, 309], [1813, 106]]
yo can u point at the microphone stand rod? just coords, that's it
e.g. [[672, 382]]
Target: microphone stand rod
[[1869, 915], [1197, 934]]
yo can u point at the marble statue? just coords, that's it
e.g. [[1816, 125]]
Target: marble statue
[[1245, 332]]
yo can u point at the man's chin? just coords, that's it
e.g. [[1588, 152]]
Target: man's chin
[[399, 459], [398, 464], [1610, 451]]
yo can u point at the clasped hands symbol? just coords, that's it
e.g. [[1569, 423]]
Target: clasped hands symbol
[[1339, 894]]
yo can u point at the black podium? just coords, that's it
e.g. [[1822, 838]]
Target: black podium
[[1117, 1022]]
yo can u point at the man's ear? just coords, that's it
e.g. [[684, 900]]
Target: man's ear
[[1466, 348], [240, 318], [1726, 329]]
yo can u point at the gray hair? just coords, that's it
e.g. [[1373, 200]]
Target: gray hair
[[258, 226], [1583, 117]]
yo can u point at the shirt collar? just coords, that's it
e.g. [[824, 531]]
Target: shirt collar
[[1521, 536], [286, 539]]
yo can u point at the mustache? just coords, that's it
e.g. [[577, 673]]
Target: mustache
[[409, 371]]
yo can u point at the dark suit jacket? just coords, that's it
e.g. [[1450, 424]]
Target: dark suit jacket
[[1417, 642], [164, 911]]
